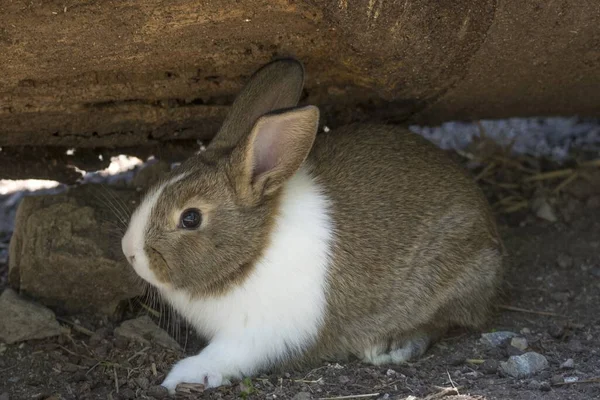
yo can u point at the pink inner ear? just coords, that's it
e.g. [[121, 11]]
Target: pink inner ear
[[266, 147]]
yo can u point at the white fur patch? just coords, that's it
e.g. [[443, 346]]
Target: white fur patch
[[132, 243], [278, 309]]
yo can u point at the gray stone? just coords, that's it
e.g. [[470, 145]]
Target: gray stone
[[158, 392], [564, 260], [65, 251], [525, 365], [489, 367], [543, 210], [23, 320], [145, 331], [534, 385], [569, 364], [495, 339], [519, 343], [142, 382]]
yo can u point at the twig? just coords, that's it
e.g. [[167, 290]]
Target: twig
[[590, 380], [566, 182], [352, 396], [559, 173], [139, 353], [116, 380], [524, 310], [442, 393], [150, 309], [452, 382], [76, 327]]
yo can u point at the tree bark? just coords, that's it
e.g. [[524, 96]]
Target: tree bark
[[104, 74]]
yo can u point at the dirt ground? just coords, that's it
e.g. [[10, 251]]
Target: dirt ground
[[553, 282]]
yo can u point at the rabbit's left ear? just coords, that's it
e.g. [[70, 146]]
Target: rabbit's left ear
[[275, 86], [275, 149]]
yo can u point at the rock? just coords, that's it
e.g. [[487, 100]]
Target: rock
[[343, 379], [525, 331], [569, 364], [545, 386], [543, 210], [99, 335], [557, 380], [145, 331], [564, 260], [142, 382], [4, 396], [23, 320], [525, 365], [534, 385], [127, 394], [158, 392], [302, 396], [519, 343], [150, 174], [64, 254], [556, 331], [496, 339], [489, 367]]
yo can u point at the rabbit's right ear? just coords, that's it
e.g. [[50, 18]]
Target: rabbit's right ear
[[276, 85]]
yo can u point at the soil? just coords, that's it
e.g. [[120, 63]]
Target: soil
[[553, 283]]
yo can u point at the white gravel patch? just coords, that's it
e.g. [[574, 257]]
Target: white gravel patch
[[549, 137]]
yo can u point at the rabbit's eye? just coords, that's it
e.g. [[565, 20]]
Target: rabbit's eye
[[190, 218]]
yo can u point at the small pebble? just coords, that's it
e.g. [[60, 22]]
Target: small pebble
[[121, 343], [525, 331], [525, 365], [495, 339], [390, 372], [545, 386], [489, 367], [158, 392], [569, 364], [127, 394], [564, 261], [142, 382], [302, 396], [69, 367], [543, 210], [556, 331], [571, 379], [4, 396], [557, 379], [343, 379], [519, 342], [534, 385]]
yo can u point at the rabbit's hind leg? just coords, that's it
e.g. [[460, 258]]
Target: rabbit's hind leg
[[397, 352]]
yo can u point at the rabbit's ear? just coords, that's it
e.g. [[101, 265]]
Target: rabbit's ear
[[275, 149], [276, 85]]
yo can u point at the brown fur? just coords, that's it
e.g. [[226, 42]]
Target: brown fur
[[416, 248]]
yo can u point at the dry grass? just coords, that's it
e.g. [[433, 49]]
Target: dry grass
[[513, 182]]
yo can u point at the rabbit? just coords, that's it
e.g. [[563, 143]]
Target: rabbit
[[282, 246]]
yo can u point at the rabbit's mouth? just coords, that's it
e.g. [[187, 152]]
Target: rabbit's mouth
[[157, 268]]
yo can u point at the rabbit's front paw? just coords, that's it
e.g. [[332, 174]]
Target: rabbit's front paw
[[192, 370]]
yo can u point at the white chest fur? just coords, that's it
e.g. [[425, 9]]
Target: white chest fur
[[281, 305]]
